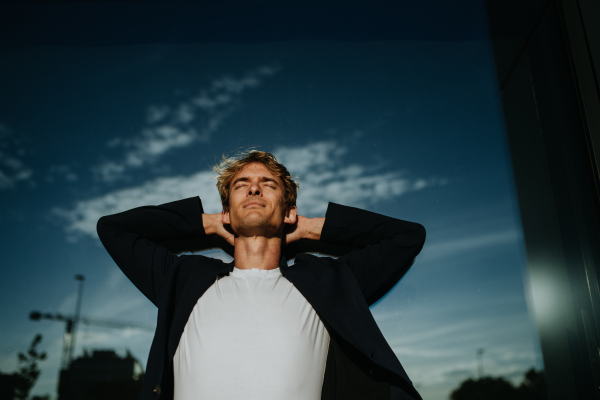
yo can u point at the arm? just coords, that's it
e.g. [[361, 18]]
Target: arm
[[143, 241], [213, 225], [304, 228], [305, 237], [379, 250]]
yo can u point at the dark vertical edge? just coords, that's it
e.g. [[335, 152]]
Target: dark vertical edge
[[549, 135], [583, 47]]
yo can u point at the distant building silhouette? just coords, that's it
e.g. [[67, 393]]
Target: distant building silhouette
[[101, 375]]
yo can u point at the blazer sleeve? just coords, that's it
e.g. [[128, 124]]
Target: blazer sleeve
[[144, 241], [384, 247]]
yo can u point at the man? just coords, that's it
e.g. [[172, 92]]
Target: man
[[257, 328]]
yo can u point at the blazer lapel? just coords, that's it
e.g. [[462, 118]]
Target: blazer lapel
[[329, 286]]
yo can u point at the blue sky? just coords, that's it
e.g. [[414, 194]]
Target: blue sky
[[410, 129]]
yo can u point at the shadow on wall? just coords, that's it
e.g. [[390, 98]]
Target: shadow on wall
[[533, 387]]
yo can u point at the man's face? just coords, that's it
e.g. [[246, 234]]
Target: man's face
[[257, 204]]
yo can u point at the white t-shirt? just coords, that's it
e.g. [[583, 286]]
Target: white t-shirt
[[251, 336]]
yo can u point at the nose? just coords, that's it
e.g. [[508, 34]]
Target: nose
[[254, 189]]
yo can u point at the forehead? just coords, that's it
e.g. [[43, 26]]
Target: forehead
[[254, 169]]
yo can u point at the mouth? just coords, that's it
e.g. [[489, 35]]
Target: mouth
[[254, 203]]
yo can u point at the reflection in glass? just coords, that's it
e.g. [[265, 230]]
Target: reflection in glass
[[408, 128]]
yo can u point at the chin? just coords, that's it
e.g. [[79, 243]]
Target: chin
[[253, 225], [251, 220]]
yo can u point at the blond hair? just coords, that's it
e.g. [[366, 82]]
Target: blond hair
[[229, 167]]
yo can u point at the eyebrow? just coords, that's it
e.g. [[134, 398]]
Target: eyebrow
[[262, 178]]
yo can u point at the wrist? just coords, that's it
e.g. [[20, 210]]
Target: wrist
[[312, 228], [208, 221]]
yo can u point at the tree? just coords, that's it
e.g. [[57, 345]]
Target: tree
[[533, 387], [487, 388], [16, 386]]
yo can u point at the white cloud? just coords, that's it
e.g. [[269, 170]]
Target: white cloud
[[323, 173], [82, 218], [168, 128], [12, 167], [325, 176]]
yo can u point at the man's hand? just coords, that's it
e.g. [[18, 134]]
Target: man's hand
[[213, 225], [304, 228]]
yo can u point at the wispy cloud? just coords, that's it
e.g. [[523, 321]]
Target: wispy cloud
[[441, 352], [438, 338], [61, 172], [171, 127], [450, 247], [324, 173], [12, 167], [82, 218]]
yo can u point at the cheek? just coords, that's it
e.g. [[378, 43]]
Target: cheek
[[234, 197]]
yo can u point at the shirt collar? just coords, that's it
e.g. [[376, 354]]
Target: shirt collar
[[227, 268]]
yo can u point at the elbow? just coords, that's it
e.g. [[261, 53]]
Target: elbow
[[420, 234], [101, 226], [420, 239]]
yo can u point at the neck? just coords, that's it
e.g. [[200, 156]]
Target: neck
[[257, 252]]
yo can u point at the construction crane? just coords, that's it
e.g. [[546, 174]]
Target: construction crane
[[73, 320]]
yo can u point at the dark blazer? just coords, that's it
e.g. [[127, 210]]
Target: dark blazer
[[376, 251]]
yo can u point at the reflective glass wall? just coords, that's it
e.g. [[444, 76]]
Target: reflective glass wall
[[397, 111], [545, 54]]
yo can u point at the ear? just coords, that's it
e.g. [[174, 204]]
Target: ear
[[291, 215], [225, 217]]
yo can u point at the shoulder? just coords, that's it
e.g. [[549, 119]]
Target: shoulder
[[187, 262], [317, 259]]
